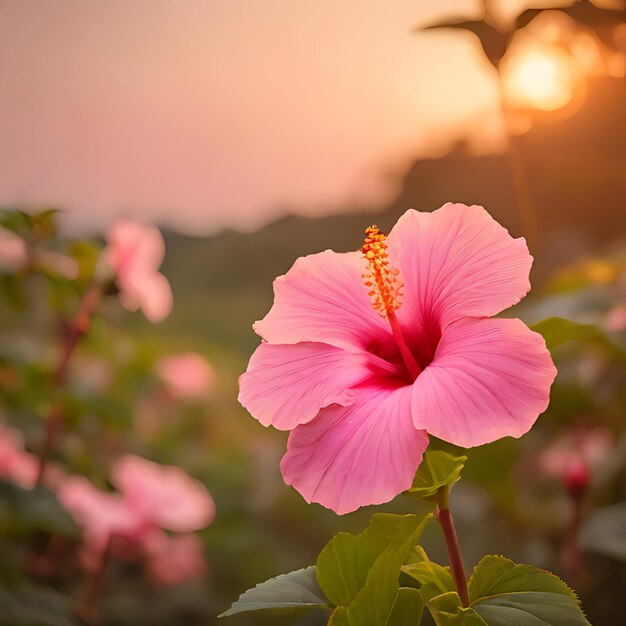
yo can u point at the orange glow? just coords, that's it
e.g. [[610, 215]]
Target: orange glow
[[542, 77], [158, 110]]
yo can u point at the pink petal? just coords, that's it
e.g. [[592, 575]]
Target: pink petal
[[164, 494], [349, 457], [133, 247], [186, 375], [592, 447], [287, 385], [323, 298], [149, 292], [490, 378], [101, 514], [135, 252], [16, 465], [13, 251], [174, 560], [616, 318], [457, 262]]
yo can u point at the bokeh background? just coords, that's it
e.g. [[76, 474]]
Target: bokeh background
[[253, 133]]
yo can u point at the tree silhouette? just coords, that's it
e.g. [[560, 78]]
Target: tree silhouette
[[495, 38]]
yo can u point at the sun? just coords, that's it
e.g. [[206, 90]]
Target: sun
[[542, 77]]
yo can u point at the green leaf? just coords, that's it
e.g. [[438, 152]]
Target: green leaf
[[17, 222], [558, 331], [502, 592], [407, 608], [23, 511], [31, 226], [296, 590], [345, 561], [44, 224], [86, 256], [531, 609], [437, 469], [12, 291], [496, 575], [339, 617], [446, 610], [433, 578], [361, 572], [604, 531], [33, 606]]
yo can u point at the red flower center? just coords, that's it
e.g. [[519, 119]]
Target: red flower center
[[386, 293]]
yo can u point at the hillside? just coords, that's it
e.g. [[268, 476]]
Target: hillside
[[575, 166]]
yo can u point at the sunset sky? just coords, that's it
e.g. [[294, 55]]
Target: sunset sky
[[205, 114]]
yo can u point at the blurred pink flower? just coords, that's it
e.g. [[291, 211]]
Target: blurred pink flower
[[13, 253], [574, 456], [56, 263], [101, 515], [359, 378], [16, 465], [616, 318], [163, 494], [127, 523], [186, 375], [174, 560], [135, 252]]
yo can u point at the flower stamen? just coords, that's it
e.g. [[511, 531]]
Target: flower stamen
[[382, 279], [386, 290]]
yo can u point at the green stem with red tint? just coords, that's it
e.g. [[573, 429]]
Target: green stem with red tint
[[444, 517], [91, 608], [79, 326]]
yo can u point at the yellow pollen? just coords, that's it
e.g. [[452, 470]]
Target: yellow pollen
[[382, 279]]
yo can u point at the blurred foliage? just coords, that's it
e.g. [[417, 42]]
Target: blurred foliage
[[604, 531], [115, 402], [34, 606], [34, 227], [495, 38], [25, 512]]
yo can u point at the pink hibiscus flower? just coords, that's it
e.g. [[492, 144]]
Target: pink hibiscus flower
[[174, 560], [616, 318], [101, 515], [164, 494], [186, 375], [573, 456], [366, 352], [16, 465], [135, 252], [13, 252]]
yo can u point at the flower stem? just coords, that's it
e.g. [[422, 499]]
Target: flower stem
[[521, 186], [79, 326], [571, 551], [444, 517], [89, 612]]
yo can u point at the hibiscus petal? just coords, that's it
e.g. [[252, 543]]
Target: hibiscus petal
[[134, 247], [457, 262], [287, 385], [348, 457], [490, 378], [151, 292], [323, 298]]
